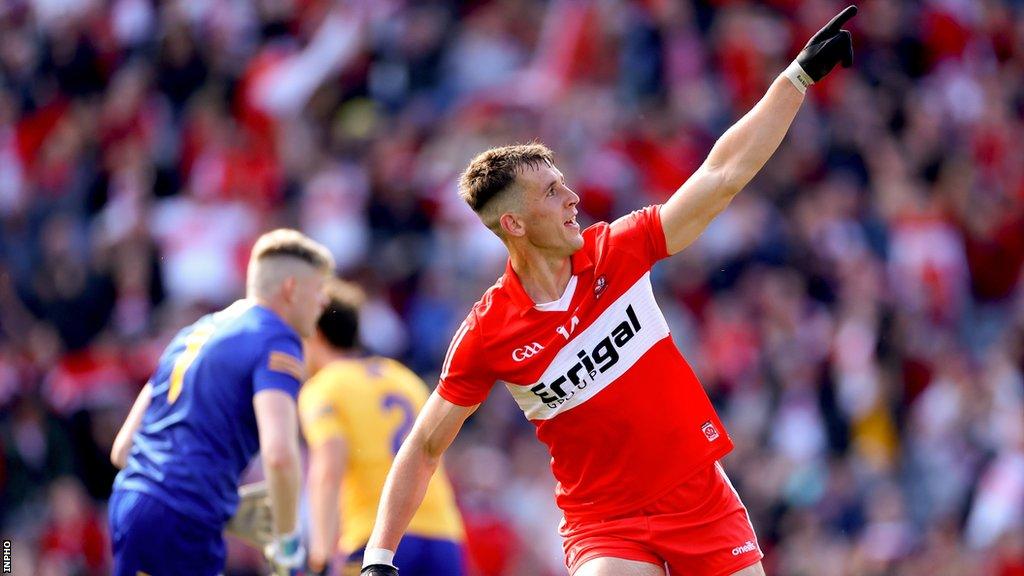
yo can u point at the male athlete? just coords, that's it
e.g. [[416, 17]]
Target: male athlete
[[355, 412], [573, 332], [224, 389]]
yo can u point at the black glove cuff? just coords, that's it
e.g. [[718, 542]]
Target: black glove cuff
[[379, 570]]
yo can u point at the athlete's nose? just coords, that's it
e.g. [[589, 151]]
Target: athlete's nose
[[574, 199]]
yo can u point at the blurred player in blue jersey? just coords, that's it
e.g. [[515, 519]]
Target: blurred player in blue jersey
[[355, 411], [225, 389]]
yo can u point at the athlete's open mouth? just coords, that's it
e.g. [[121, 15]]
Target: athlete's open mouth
[[572, 223]]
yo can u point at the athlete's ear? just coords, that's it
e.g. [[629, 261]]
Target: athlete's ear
[[511, 224], [288, 288]]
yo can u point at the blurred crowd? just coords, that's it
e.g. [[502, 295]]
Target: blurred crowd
[[857, 314]]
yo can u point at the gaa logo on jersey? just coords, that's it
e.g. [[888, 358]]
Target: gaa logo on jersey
[[709, 430], [528, 351], [599, 285]]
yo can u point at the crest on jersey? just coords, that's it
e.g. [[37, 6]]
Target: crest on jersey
[[709, 430], [599, 285]]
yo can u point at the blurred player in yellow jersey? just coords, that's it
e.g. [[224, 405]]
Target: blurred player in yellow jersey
[[355, 412]]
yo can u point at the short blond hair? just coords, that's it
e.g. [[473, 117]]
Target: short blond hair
[[281, 253]]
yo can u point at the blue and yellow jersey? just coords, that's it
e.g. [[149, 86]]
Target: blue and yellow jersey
[[199, 432], [371, 404]]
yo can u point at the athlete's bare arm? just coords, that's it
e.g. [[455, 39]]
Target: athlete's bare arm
[[415, 463], [734, 160], [279, 448], [326, 468], [744, 148], [123, 442]]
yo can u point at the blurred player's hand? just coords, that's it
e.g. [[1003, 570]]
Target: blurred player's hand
[[830, 46], [286, 555], [379, 570], [323, 571], [252, 522]]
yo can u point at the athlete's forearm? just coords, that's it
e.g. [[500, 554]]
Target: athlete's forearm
[[403, 493], [325, 473], [282, 471], [745, 147], [279, 448], [435, 428]]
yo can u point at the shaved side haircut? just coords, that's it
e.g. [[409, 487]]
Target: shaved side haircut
[[281, 253], [489, 183]]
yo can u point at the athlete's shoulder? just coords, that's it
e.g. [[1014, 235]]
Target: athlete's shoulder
[[322, 387], [638, 236], [262, 331], [326, 378], [268, 323], [595, 233], [491, 310], [402, 373], [493, 302]]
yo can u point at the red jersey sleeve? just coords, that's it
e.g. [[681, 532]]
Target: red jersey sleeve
[[464, 380], [640, 234]]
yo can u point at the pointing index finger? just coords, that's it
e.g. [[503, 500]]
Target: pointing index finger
[[842, 18]]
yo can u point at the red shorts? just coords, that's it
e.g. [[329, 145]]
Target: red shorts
[[700, 528]]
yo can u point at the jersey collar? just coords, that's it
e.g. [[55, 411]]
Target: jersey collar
[[514, 287]]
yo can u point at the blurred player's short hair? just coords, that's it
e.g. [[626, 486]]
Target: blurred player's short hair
[[292, 244], [486, 183], [339, 323], [276, 255]]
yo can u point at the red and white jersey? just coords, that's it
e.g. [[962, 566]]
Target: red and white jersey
[[622, 413]]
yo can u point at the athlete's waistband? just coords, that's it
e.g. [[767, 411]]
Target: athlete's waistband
[[144, 486], [585, 513]]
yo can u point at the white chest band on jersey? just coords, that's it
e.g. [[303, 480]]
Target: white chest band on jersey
[[597, 356]]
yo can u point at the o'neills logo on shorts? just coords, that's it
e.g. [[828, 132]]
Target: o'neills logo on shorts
[[592, 362], [747, 546]]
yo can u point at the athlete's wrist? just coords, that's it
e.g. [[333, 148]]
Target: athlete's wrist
[[287, 549], [378, 556], [798, 76], [316, 560]]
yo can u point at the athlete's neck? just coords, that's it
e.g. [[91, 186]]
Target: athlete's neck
[[276, 307], [543, 277], [320, 354]]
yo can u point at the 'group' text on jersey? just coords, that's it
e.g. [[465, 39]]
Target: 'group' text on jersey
[[199, 432], [620, 410]]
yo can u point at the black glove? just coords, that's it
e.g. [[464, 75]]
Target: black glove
[[379, 570], [830, 46]]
